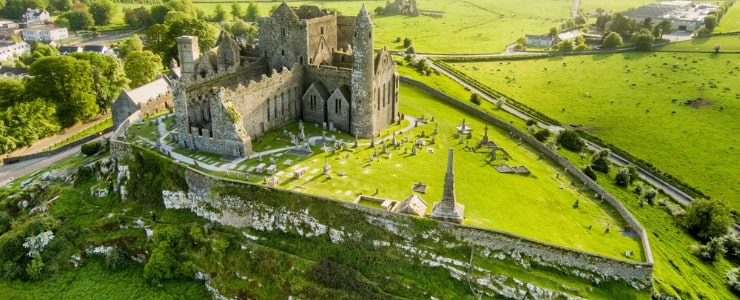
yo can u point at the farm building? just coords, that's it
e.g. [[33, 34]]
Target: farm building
[[683, 15]]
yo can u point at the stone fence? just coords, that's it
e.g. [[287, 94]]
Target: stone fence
[[573, 170], [15, 159]]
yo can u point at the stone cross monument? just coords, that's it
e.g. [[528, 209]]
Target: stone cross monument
[[448, 209]]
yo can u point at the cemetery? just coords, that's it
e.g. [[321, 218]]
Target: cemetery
[[410, 159]]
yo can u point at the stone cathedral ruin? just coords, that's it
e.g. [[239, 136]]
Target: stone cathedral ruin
[[310, 65]]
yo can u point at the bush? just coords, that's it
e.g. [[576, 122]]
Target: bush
[[589, 172], [11, 270], [407, 42], [542, 135], [711, 251], [171, 236], [90, 148], [733, 280], [35, 268], [706, 219], [600, 161], [219, 247], [570, 140], [731, 242], [650, 195], [115, 258], [339, 276], [531, 122], [475, 98], [623, 177]]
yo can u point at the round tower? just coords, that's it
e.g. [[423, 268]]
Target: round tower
[[362, 76]]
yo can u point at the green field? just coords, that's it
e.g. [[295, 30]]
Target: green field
[[628, 100], [727, 43], [590, 6], [730, 22]]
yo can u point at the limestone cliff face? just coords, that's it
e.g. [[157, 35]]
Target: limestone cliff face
[[244, 205]]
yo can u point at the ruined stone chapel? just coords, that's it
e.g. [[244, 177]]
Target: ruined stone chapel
[[309, 65]]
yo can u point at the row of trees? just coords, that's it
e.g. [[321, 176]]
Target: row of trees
[[75, 15]]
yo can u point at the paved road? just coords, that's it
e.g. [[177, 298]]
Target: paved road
[[12, 171]]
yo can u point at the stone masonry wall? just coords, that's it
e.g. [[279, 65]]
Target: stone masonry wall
[[575, 171]]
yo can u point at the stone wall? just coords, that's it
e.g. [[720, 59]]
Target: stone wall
[[573, 170], [208, 198]]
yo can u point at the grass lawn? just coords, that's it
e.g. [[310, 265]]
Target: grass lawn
[[728, 43], [628, 100], [590, 6], [730, 22], [493, 200]]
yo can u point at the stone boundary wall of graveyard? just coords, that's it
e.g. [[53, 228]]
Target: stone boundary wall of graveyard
[[248, 205], [572, 169]]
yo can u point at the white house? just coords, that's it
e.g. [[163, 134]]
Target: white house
[[44, 34], [10, 51], [36, 16]]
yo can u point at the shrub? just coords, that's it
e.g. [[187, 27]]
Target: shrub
[[90, 148], [11, 270], [475, 98], [35, 268], [171, 236], [219, 247], [339, 276], [600, 161], [115, 258], [623, 177], [733, 280], [542, 135], [407, 42], [711, 251], [706, 219], [731, 242], [589, 172], [531, 122], [650, 195], [570, 140]]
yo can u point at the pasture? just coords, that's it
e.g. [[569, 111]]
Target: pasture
[[506, 202], [677, 111], [730, 22], [727, 43], [590, 6]]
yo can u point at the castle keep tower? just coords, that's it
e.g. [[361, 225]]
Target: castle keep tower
[[311, 64], [448, 209]]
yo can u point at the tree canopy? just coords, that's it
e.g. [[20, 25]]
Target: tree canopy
[[613, 40], [142, 67], [78, 19], [706, 219], [643, 40], [67, 83], [253, 12], [137, 17], [107, 74], [103, 11]]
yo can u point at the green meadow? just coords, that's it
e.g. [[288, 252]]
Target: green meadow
[[727, 43], [730, 22], [640, 102], [590, 6]]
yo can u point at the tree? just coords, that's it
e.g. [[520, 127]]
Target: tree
[[665, 27], [621, 24], [647, 23], [600, 160], [205, 32], [612, 40], [138, 17], [108, 77], [706, 219], [542, 135], [589, 172], [580, 20], [602, 20], [236, 10], [565, 45], [35, 268], [38, 50], [142, 67], [553, 32], [78, 19], [253, 12], [219, 13], [40, 4], [30, 121], [158, 13], [241, 28], [13, 9], [380, 10], [570, 140], [623, 177], [130, 45], [156, 39], [710, 22], [11, 92], [59, 5], [521, 43], [103, 11], [407, 42], [643, 40], [67, 82]]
